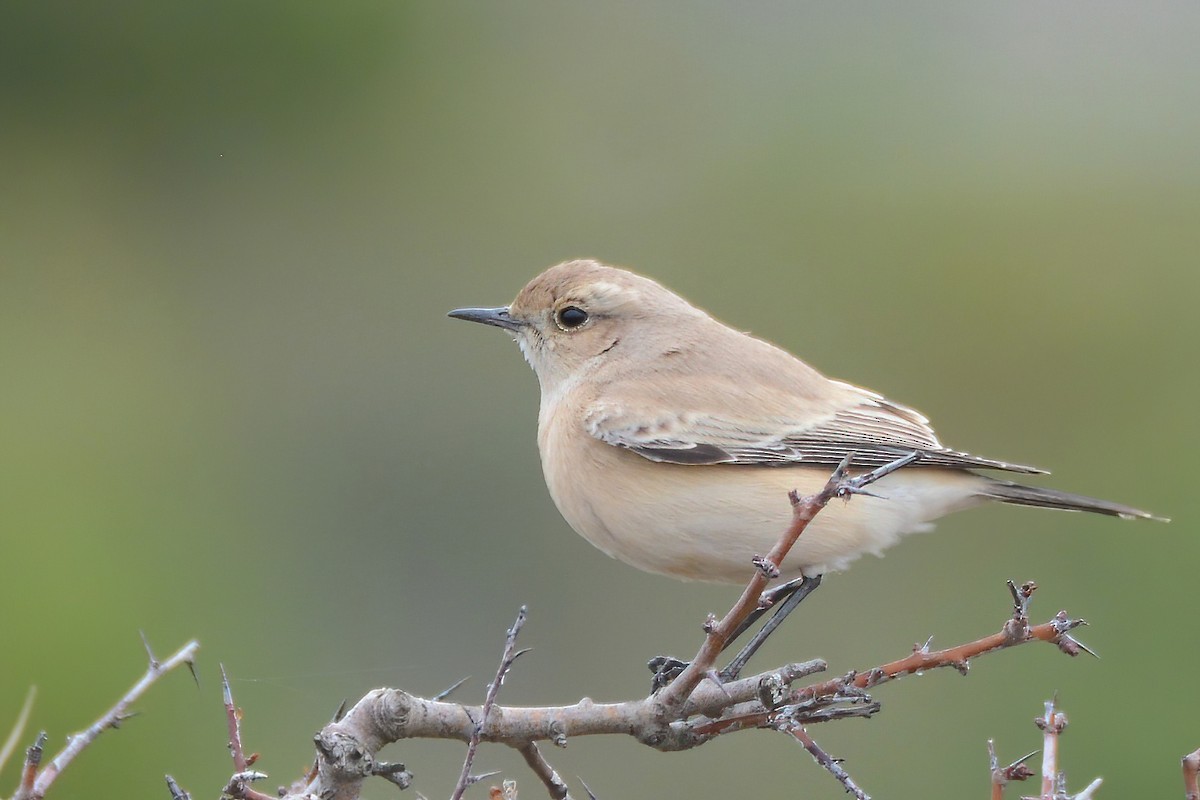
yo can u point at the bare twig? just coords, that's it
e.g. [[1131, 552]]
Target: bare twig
[[1054, 782], [240, 784], [1191, 768], [110, 719], [511, 654], [1052, 724], [18, 729], [825, 760], [549, 776]]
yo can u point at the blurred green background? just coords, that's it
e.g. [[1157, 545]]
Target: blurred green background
[[232, 406]]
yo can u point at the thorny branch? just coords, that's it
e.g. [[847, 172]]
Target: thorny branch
[[767, 700], [1054, 781], [511, 654], [825, 760], [240, 783], [36, 779]]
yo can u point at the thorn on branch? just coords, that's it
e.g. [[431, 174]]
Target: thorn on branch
[[483, 776], [1067, 643], [117, 719], [1002, 776], [846, 487], [149, 653], [177, 792], [449, 690]]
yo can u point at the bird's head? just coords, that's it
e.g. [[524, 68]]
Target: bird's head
[[568, 320]]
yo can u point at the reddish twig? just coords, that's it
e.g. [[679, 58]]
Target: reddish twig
[[511, 654], [719, 633], [33, 759], [1015, 631], [1191, 768], [233, 722], [240, 784]]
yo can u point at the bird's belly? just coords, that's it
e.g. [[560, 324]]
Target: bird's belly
[[707, 522]]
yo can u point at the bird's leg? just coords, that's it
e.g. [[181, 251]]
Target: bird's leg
[[784, 599], [665, 669], [768, 600], [788, 595]]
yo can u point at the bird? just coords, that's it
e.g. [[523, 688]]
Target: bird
[[671, 441]]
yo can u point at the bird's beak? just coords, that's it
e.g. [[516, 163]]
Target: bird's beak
[[488, 316]]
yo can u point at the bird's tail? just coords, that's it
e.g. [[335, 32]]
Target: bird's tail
[[1022, 495]]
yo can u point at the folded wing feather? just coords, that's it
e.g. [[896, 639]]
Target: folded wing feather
[[874, 429]]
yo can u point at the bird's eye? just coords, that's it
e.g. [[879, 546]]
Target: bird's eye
[[572, 317]]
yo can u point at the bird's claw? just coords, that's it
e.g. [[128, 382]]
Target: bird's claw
[[666, 669]]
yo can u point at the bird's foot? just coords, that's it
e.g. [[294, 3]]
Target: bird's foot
[[666, 669]]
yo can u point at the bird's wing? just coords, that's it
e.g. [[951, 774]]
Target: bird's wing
[[876, 430]]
